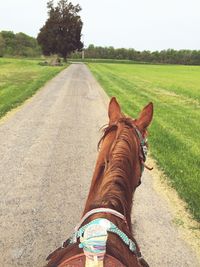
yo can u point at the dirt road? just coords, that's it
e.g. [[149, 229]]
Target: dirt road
[[47, 156]]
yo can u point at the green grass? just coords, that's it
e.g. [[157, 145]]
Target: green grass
[[20, 79], [99, 60], [174, 135]]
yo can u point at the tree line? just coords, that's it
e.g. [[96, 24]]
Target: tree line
[[169, 56], [18, 44]]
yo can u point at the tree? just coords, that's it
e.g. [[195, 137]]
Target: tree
[[9, 39], [19, 44], [2, 45], [61, 33], [26, 45]]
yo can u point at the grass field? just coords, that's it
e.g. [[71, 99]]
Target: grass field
[[174, 135], [20, 79]]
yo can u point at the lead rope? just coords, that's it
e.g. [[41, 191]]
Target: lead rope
[[93, 241]]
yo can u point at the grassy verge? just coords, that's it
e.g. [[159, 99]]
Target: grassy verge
[[98, 60], [20, 79], [174, 134]]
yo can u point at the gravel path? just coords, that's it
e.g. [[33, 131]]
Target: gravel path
[[47, 156]]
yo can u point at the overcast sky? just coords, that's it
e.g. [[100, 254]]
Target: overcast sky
[[140, 24]]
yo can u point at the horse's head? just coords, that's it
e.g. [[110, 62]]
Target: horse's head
[[137, 129], [121, 159]]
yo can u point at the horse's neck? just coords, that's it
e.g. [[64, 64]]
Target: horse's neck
[[117, 197], [112, 186], [95, 190]]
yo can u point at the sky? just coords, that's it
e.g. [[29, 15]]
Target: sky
[[139, 24]]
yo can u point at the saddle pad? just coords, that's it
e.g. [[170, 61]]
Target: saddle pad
[[79, 261]]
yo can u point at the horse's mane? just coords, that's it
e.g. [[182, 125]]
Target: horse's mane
[[116, 189]]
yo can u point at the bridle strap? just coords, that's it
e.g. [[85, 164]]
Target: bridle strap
[[143, 149], [100, 210], [142, 143]]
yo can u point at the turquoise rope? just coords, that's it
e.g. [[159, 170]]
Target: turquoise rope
[[113, 229]]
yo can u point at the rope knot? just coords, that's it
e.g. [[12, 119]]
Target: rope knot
[[94, 239]]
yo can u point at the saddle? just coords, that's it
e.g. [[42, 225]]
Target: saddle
[[79, 261]]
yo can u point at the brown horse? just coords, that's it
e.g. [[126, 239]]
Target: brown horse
[[107, 211]]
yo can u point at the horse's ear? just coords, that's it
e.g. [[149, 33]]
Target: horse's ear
[[145, 117], [114, 110]]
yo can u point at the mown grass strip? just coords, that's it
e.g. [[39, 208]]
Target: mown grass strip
[[20, 79], [174, 134]]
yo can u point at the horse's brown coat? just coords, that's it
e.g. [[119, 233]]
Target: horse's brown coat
[[115, 178]]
